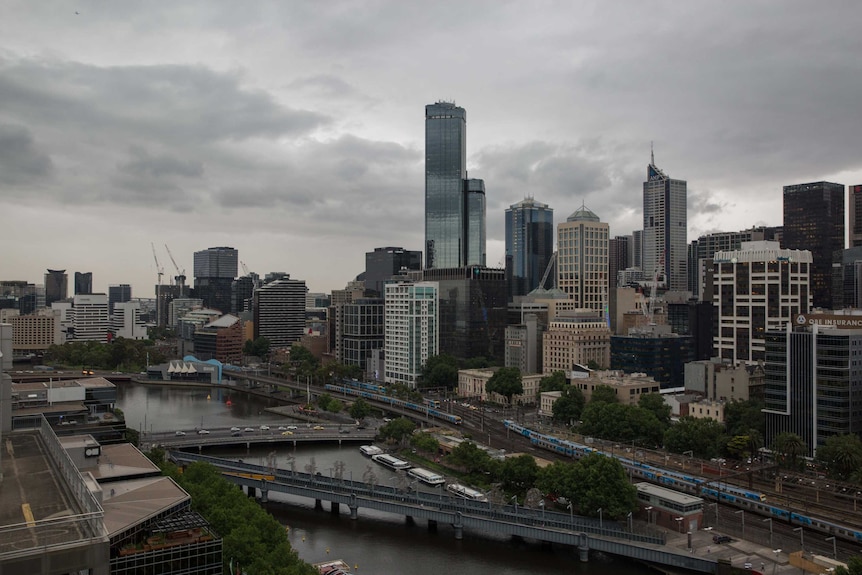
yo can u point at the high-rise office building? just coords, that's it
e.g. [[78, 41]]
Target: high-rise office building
[[758, 288], [383, 263], [847, 280], [359, 331], [665, 228], [411, 325], [582, 260], [90, 317], [619, 258], [814, 220], [56, 286], [118, 294], [637, 249], [811, 379], [855, 207], [529, 245], [83, 283], [279, 311], [454, 205], [215, 270]]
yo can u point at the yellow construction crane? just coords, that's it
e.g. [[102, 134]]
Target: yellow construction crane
[[180, 278]]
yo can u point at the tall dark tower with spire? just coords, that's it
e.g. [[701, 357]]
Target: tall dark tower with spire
[[665, 231]]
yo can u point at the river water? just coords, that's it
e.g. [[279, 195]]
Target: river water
[[375, 544]]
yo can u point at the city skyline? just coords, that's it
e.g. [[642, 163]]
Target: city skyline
[[294, 133]]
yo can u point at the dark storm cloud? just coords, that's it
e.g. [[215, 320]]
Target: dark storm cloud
[[329, 86], [20, 160], [142, 164]]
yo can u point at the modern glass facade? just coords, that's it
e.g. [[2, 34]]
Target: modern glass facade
[[529, 245], [383, 263], [474, 222], [118, 294], [56, 286], [814, 220], [359, 326], [445, 171], [661, 357], [665, 233], [83, 283]]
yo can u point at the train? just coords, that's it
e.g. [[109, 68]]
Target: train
[[681, 481], [364, 385], [395, 402]]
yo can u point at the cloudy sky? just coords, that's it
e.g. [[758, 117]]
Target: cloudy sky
[[294, 131]]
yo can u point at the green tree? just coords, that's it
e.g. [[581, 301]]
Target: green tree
[[569, 406], [654, 402], [741, 416], [397, 430], [604, 394], [360, 409], [841, 455], [559, 479], [506, 381], [621, 422], [476, 363], [518, 474], [554, 382], [789, 449], [703, 437], [473, 460], [425, 442], [854, 567], [303, 362], [602, 483], [440, 371]]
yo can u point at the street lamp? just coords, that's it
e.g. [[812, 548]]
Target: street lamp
[[648, 509], [690, 456], [515, 501], [631, 522], [542, 505], [601, 524], [801, 537], [742, 513], [834, 547], [770, 529], [571, 515], [679, 522]]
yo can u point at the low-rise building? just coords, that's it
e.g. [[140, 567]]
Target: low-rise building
[[576, 337], [628, 386], [472, 382], [717, 379]]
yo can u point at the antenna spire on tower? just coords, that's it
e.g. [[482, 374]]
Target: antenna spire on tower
[[651, 154]]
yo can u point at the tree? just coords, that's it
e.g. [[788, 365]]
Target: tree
[[604, 394], [841, 455], [560, 480], [425, 442], [655, 403], [569, 406], [621, 422], [854, 567], [702, 437], [602, 483], [397, 430], [474, 461], [519, 473], [360, 409], [741, 416], [554, 382], [303, 361], [476, 363], [788, 448], [440, 371], [506, 381]]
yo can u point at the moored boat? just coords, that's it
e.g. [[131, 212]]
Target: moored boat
[[427, 477], [369, 450], [466, 492], [391, 462]]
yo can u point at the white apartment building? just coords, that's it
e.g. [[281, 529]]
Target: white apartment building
[[126, 321], [89, 317], [411, 329], [582, 260], [758, 288]]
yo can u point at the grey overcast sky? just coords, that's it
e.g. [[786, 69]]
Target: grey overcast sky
[[294, 131]]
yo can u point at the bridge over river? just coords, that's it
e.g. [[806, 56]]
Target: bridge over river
[[438, 507]]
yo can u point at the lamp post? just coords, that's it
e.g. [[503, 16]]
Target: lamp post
[[631, 522], [571, 515], [834, 547], [801, 537], [601, 523], [770, 529], [542, 505], [648, 509], [742, 513], [679, 522], [515, 501], [690, 456]]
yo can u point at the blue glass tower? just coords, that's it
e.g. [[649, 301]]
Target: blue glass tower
[[529, 245]]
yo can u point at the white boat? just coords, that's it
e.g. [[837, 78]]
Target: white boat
[[426, 477], [391, 462], [369, 450], [466, 492]]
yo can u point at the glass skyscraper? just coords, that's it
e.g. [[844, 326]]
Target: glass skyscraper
[[665, 233], [529, 245], [454, 205]]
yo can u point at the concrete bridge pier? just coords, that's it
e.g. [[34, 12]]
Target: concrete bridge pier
[[354, 512], [410, 521], [334, 508], [252, 492], [264, 495], [458, 526], [583, 548]]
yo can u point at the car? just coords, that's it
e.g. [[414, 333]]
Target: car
[[319, 427], [180, 433], [343, 430], [721, 539], [282, 428], [235, 428], [264, 428], [249, 429], [203, 432], [236, 433], [287, 433], [291, 427]]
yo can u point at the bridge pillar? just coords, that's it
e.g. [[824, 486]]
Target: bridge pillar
[[263, 495], [334, 507], [318, 505], [409, 520], [583, 548], [252, 492], [459, 527], [354, 512]]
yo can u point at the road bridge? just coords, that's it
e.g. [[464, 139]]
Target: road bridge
[[224, 437], [439, 507]]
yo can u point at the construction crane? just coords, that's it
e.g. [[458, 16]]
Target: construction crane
[[649, 309], [254, 277], [180, 278], [160, 271], [548, 270]]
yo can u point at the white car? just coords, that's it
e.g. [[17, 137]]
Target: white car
[[179, 433], [264, 428], [235, 428], [291, 427], [282, 428], [203, 432]]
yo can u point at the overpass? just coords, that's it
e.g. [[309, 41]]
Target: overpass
[[225, 437], [438, 507]]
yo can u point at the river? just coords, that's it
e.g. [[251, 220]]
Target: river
[[376, 543]]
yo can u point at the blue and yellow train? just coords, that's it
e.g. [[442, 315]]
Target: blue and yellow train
[[709, 489]]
